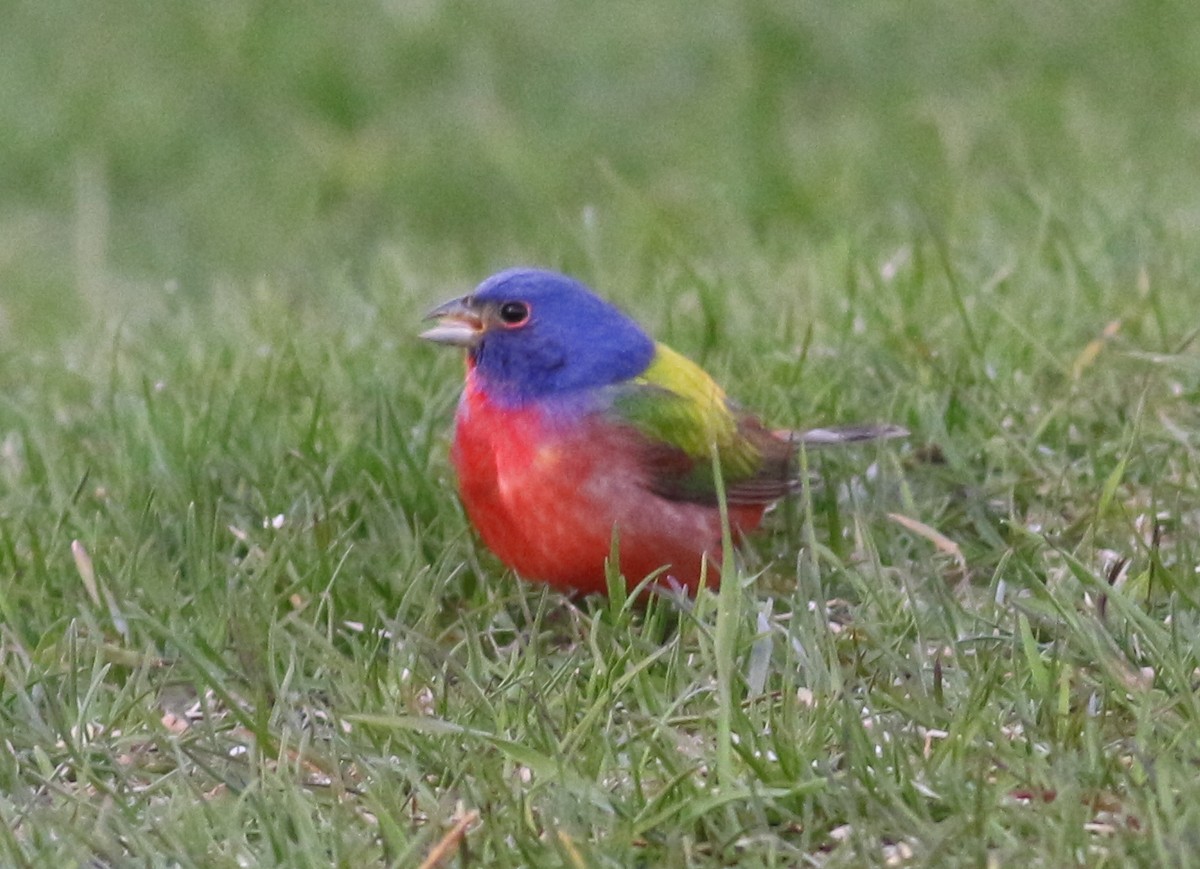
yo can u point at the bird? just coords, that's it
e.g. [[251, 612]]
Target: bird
[[578, 436]]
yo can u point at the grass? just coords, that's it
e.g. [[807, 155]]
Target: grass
[[242, 618]]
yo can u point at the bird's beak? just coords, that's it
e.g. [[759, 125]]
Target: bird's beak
[[459, 324]]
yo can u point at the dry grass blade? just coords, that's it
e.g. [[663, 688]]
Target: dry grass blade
[[937, 538], [449, 844]]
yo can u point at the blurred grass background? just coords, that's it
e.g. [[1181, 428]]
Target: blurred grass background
[[275, 642], [148, 144]]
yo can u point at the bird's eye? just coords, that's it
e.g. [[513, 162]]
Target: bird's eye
[[514, 313]]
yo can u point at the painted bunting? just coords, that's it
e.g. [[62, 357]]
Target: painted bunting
[[575, 425]]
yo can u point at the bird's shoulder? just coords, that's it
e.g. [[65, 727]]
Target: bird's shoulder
[[681, 416], [676, 401]]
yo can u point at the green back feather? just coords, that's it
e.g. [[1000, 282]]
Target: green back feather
[[681, 416]]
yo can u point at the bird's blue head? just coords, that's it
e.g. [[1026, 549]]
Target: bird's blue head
[[535, 334]]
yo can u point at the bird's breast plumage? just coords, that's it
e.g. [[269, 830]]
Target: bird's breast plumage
[[547, 483]]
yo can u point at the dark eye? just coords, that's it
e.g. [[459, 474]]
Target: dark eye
[[514, 313]]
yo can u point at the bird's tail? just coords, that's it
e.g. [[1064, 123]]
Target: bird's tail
[[842, 434]]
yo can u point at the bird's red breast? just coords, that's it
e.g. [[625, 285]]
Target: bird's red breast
[[546, 492]]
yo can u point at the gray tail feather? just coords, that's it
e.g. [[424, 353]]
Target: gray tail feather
[[843, 434]]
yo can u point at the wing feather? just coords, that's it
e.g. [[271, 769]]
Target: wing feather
[[680, 416]]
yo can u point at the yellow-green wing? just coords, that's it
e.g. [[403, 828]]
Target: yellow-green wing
[[680, 415]]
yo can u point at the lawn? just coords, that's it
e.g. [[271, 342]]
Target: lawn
[[243, 619]]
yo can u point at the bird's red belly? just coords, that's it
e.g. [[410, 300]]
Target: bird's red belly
[[547, 499]]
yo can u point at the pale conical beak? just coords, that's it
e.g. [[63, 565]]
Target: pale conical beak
[[459, 324]]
